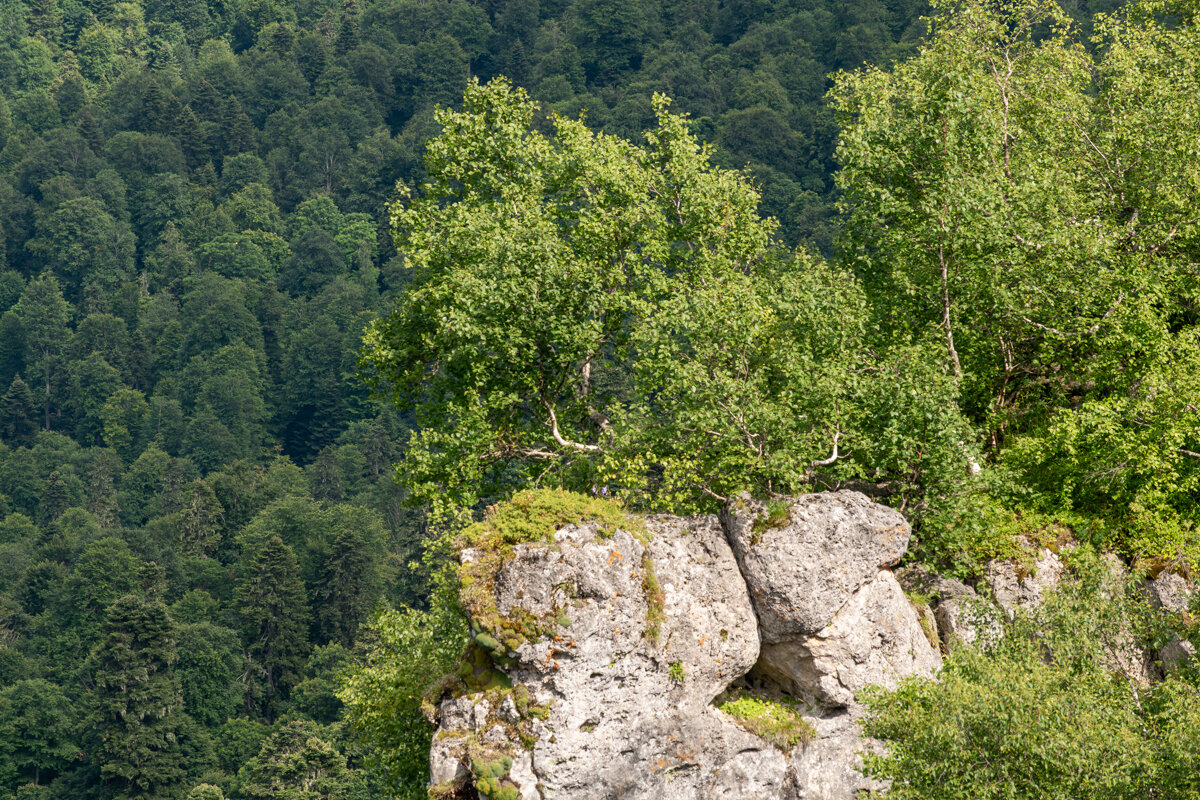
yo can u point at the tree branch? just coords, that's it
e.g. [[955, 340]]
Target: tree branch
[[1078, 334], [558, 437], [825, 462]]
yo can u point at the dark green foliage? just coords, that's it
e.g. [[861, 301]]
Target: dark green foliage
[[193, 235], [136, 705], [209, 665], [272, 606], [296, 763], [38, 733], [18, 414]]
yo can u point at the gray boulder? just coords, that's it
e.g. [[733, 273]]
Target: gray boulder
[[804, 566], [961, 616], [965, 620], [1169, 592], [828, 768], [623, 712], [875, 639], [1172, 594], [1176, 653], [1016, 586]]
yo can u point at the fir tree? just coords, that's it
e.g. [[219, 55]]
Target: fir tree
[[137, 699], [274, 614], [295, 763], [349, 584], [17, 410]]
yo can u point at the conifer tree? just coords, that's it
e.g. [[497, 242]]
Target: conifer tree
[[296, 764], [17, 410], [44, 313], [274, 615], [200, 520], [137, 701], [349, 584]]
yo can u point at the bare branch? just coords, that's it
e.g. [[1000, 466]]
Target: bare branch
[[558, 437], [1022, 240], [825, 462], [1079, 334]]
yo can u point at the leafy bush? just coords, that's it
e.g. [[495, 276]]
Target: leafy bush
[[410, 650], [1054, 711]]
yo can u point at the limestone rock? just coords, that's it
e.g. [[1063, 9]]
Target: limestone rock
[[803, 569], [963, 617], [1172, 593], [966, 620], [874, 639], [617, 645], [1176, 653], [1169, 592], [828, 768], [626, 714], [1015, 586]]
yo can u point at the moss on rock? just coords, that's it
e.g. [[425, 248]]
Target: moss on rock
[[771, 719], [533, 517]]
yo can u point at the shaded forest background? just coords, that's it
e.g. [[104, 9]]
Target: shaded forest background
[[195, 489]]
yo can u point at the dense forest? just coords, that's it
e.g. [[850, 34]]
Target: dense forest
[[194, 485], [198, 511]]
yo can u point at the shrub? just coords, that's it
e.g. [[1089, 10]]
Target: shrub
[[1051, 712]]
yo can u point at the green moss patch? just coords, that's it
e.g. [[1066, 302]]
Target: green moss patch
[[655, 599], [529, 517], [778, 513], [773, 720], [490, 778]]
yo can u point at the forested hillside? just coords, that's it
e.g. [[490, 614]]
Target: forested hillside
[[197, 504], [192, 211]]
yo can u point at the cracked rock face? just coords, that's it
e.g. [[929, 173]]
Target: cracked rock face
[[961, 616], [827, 769], [1015, 587], [627, 715], [1172, 593], [802, 570], [616, 698], [874, 640]]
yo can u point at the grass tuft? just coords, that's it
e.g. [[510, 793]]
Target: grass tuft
[[772, 720]]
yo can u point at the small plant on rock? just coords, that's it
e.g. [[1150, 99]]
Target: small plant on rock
[[773, 720], [778, 513]]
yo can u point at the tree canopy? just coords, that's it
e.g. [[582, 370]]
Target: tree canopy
[[585, 312]]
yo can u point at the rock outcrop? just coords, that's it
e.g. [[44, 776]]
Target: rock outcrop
[[961, 617], [637, 632], [804, 563], [875, 639], [623, 686], [1016, 586], [833, 621], [602, 651], [1171, 593]]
